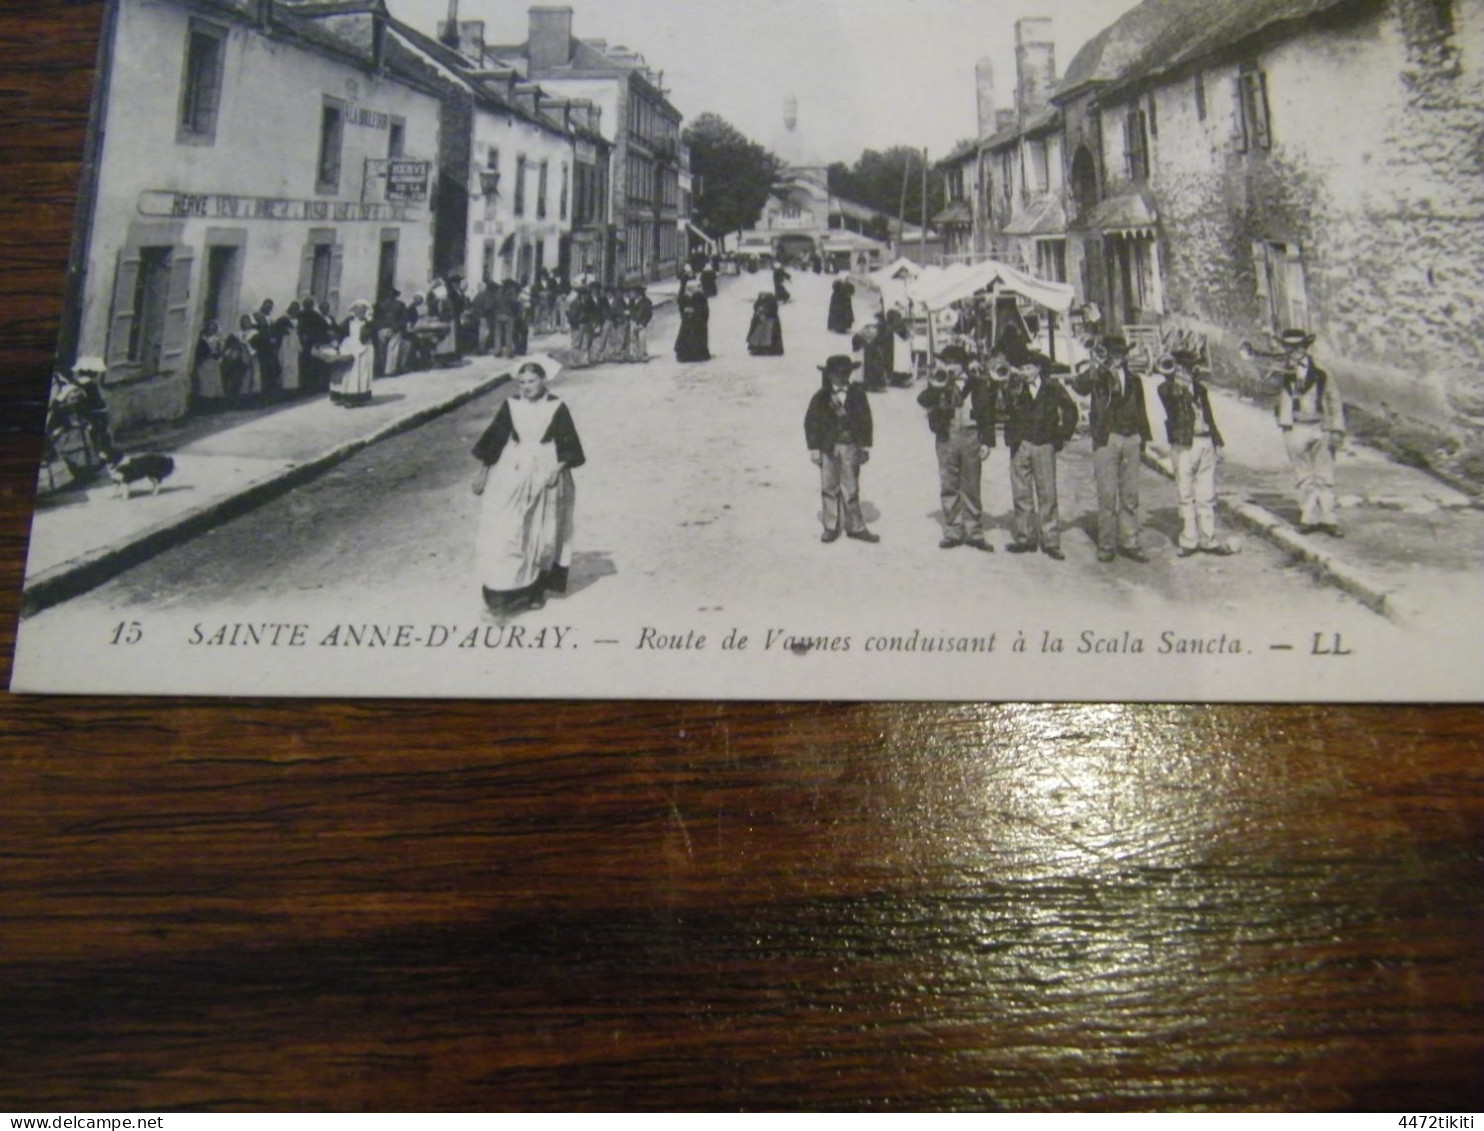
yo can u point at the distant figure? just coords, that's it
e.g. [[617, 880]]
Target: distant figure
[[641, 313], [1312, 416], [781, 276], [1119, 425], [1040, 416], [693, 341], [1195, 444], [765, 334], [842, 312]]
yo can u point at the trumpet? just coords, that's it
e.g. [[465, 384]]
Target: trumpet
[[1165, 366], [1001, 371], [1252, 353], [1095, 349]]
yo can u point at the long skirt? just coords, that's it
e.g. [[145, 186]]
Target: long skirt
[[525, 526], [691, 343], [351, 386], [765, 337]]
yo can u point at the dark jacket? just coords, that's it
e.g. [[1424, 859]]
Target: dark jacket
[[1048, 418], [561, 432], [1313, 399], [941, 401], [1181, 404], [1101, 382], [824, 426]]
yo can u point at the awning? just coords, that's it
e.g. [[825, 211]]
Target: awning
[[697, 232], [1129, 214], [1040, 218], [960, 281]]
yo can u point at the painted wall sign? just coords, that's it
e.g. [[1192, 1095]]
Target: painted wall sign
[[226, 206]]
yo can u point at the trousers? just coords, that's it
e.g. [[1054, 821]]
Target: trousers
[[840, 488], [1195, 484], [1313, 459], [1115, 467], [959, 472], [1033, 490]]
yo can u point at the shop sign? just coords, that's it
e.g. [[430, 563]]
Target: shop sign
[[228, 206]]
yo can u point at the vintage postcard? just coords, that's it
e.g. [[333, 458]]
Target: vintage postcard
[[1080, 350]]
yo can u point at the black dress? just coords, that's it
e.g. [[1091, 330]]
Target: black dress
[[842, 314], [765, 335], [692, 343]]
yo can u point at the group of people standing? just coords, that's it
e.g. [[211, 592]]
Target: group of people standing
[[608, 324], [1032, 403]]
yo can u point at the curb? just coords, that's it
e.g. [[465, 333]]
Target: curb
[[72, 578], [1263, 522]]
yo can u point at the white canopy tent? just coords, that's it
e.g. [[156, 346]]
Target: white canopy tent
[[961, 281]]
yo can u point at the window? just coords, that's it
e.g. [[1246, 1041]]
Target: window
[[1282, 295], [1200, 95], [201, 85], [396, 141], [1136, 145], [541, 178], [1252, 109], [1051, 260], [1040, 167], [520, 185], [331, 137], [562, 213]]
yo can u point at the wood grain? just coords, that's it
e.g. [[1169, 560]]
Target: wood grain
[[254, 905]]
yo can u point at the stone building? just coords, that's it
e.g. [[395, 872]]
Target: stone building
[[243, 152], [1303, 163]]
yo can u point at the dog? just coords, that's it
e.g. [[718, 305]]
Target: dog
[[126, 471]]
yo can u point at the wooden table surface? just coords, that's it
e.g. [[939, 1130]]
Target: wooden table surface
[[218, 904]]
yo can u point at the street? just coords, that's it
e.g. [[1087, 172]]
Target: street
[[698, 514]]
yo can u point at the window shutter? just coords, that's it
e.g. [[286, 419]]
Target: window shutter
[[125, 280], [337, 263], [1239, 136], [1298, 297], [306, 271], [175, 336], [1263, 135]]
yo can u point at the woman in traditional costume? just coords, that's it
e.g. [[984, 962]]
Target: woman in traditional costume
[[351, 386], [693, 341], [765, 335], [842, 313], [526, 494]]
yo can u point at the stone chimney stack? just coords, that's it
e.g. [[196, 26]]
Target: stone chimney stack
[[984, 85], [791, 113], [448, 30], [1035, 64], [550, 37], [471, 40]]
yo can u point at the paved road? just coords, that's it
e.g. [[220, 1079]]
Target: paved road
[[698, 511]]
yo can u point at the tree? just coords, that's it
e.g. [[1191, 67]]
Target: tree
[[876, 180], [734, 175]]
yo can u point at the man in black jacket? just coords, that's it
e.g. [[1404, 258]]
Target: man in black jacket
[[1120, 428], [1040, 416], [961, 414], [1195, 445], [838, 430]]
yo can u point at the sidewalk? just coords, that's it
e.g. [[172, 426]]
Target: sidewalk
[[1413, 546], [225, 465]]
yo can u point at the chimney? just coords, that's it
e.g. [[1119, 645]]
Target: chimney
[[378, 38], [1035, 64], [448, 30], [791, 113], [471, 40], [550, 37], [984, 85]]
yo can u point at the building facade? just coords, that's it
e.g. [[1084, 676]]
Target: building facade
[[247, 154], [1323, 173]]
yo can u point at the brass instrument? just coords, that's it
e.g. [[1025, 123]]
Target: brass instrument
[[1165, 366], [1251, 353], [1096, 351], [1001, 371]]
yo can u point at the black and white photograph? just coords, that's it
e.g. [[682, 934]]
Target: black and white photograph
[[1062, 350]]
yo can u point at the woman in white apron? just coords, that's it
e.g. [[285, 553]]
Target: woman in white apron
[[526, 495], [352, 385]]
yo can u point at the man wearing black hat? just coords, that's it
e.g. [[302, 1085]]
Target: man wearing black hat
[[1040, 416], [1195, 444], [1120, 428], [961, 415], [1312, 417], [837, 428]]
